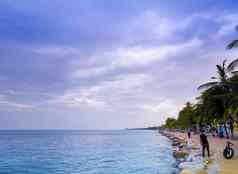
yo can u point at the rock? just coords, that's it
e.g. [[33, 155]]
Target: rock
[[185, 171], [175, 143], [180, 154]]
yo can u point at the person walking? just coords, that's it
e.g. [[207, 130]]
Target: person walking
[[204, 144]]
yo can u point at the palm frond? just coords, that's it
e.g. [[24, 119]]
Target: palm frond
[[219, 68], [233, 44], [234, 72], [232, 65], [207, 85], [223, 64], [221, 72]]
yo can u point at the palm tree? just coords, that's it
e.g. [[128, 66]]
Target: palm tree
[[224, 72], [218, 94], [234, 43]]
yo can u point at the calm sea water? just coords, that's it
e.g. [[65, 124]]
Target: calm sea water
[[85, 152]]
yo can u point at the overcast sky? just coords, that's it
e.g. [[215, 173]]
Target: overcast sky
[[104, 64]]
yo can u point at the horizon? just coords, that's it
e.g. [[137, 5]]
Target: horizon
[[107, 65], [126, 128]]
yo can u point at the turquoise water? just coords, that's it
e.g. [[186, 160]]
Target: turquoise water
[[85, 152]]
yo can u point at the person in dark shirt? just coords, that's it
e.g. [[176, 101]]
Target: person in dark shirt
[[204, 143], [189, 134]]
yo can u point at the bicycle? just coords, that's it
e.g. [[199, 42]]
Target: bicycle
[[228, 152]]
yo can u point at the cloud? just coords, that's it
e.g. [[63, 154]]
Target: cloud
[[167, 107], [105, 95], [77, 99], [6, 105], [131, 57], [151, 26], [89, 72], [107, 64], [142, 55], [229, 22]]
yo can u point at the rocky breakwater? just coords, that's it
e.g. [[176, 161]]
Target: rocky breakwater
[[188, 156]]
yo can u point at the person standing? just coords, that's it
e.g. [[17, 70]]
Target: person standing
[[220, 129], [189, 140], [189, 134], [230, 123], [204, 144]]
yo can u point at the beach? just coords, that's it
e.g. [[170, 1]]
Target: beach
[[215, 164]]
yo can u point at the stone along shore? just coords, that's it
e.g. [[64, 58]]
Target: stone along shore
[[189, 154]]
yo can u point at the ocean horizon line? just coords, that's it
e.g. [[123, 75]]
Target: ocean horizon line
[[63, 129]]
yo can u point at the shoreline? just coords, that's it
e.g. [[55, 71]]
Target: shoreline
[[189, 159], [174, 140]]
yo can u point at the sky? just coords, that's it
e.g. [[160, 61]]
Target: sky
[[104, 64]]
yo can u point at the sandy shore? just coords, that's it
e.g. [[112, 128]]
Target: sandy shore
[[217, 163]]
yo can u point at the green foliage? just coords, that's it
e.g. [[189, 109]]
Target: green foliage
[[220, 97], [170, 123], [186, 117]]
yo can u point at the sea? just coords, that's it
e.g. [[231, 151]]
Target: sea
[[85, 152]]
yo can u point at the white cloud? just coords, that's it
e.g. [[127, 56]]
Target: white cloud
[[89, 72], [166, 107], [150, 25], [78, 98], [7, 104], [13, 106], [131, 57], [129, 95], [105, 95], [142, 55]]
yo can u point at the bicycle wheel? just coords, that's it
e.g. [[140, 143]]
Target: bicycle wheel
[[228, 153]]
